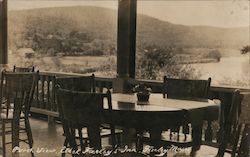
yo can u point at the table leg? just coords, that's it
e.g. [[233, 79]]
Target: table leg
[[16, 122], [155, 136], [139, 140], [94, 137], [15, 133], [196, 138]]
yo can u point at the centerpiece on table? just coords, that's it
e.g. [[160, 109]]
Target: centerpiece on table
[[142, 92]]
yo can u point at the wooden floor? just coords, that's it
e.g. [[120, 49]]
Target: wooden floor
[[48, 141]]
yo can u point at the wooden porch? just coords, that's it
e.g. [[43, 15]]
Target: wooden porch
[[45, 104]]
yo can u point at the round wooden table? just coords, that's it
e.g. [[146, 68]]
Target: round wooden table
[[160, 113]]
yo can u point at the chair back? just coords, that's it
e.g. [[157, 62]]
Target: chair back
[[77, 83], [186, 89], [245, 108], [83, 109], [23, 69], [17, 88]]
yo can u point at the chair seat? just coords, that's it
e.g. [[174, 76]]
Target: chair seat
[[107, 132], [166, 141], [11, 110], [4, 105], [10, 115], [207, 151], [166, 136], [104, 132]]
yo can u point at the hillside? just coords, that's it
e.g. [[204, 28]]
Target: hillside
[[87, 29], [165, 33]]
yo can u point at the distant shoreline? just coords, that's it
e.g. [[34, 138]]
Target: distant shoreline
[[195, 61]]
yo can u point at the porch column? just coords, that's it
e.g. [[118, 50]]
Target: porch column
[[126, 45], [3, 33], [126, 40]]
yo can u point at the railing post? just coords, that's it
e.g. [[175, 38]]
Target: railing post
[[37, 92], [53, 101], [42, 94], [48, 106], [51, 120]]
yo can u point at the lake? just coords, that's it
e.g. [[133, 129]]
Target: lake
[[236, 68], [228, 69]]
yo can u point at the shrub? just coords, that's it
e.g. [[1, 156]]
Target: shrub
[[245, 49], [215, 54], [94, 52], [108, 68]]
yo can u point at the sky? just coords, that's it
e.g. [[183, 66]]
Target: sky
[[218, 13]]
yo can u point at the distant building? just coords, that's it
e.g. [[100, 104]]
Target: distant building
[[26, 52]]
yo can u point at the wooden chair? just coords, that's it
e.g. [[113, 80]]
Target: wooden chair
[[183, 89], [23, 69], [17, 89], [83, 84], [84, 109], [229, 135]]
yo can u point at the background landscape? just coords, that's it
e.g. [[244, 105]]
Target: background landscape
[[82, 39]]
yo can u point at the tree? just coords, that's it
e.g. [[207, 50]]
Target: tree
[[245, 49], [151, 60], [154, 62]]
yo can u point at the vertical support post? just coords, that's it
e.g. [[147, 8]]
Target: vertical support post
[[126, 40], [132, 55], [3, 33], [126, 44]]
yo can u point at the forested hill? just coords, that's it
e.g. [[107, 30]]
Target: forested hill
[[83, 27]]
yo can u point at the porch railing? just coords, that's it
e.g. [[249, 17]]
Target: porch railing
[[45, 100], [44, 97]]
